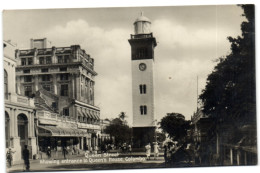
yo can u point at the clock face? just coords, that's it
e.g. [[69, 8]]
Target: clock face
[[142, 66]]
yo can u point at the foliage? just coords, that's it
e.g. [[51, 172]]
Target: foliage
[[175, 125], [122, 116], [120, 130], [160, 136], [229, 95]]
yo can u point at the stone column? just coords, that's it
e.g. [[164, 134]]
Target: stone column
[[16, 140], [15, 123], [11, 123], [238, 157], [29, 124], [18, 84], [82, 143], [245, 157], [55, 90], [73, 85], [77, 89], [231, 156], [36, 79]]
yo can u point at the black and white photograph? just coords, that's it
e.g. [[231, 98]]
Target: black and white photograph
[[115, 88]]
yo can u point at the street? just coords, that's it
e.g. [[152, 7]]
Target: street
[[99, 162]]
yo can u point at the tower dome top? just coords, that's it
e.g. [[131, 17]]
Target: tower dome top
[[142, 18]]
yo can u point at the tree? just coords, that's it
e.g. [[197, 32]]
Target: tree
[[175, 125], [229, 95], [122, 115], [120, 130]]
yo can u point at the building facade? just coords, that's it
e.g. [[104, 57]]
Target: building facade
[[61, 80], [19, 110], [142, 56]]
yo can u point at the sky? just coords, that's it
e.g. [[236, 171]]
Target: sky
[[190, 39]]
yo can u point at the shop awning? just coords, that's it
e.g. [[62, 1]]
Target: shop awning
[[85, 114], [60, 131], [94, 115], [89, 114], [79, 113]]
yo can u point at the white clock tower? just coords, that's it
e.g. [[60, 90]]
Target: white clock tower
[[142, 55]]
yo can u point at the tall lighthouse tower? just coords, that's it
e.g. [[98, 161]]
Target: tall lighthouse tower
[[142, 56]]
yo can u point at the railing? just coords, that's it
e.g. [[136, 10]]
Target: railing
[[141, 36], [22, 100]]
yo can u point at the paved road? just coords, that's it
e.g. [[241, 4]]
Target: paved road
[[94, 162]]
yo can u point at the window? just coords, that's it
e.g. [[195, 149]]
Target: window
[[141, 53], [26, 71], [28, 91], [45, 70], [23, 61], [64, 76], [6, 84], [142, 89], [82, 90], [47, 87], [60, 59], [41, 60], [91, 95], [46, 77], [66, 58], [27, 78], [30, 61], [63, 69], [143, 110], [48, 60], [66, 111], [64, 90], [54, 105]]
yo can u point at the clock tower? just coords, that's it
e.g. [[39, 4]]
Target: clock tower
[[142, 56]]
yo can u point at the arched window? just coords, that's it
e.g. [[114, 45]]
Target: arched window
[[142, 89], [143, 110], [6, 84]]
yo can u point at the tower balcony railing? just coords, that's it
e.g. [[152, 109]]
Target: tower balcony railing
[[141, 36]]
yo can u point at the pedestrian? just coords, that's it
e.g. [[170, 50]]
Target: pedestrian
[[156, 150], [130, 148], [64, 151], [165, 154], [9, 156], [197, 154], [148, 151], [48, 152], [95, 149], [26, 158], [86, 148]]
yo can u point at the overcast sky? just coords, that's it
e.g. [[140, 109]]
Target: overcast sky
[[189, 39]]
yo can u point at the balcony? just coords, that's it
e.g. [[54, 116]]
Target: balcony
[[49, 118], [142, 36], [14, 98]]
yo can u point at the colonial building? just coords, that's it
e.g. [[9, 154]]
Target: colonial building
[[19, 110], [142, 56], [61, 80]]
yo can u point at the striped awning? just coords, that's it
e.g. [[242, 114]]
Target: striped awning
[[60, 131], [89, 114], [79, 112]]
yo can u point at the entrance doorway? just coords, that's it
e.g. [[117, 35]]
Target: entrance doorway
[[22, 123]]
